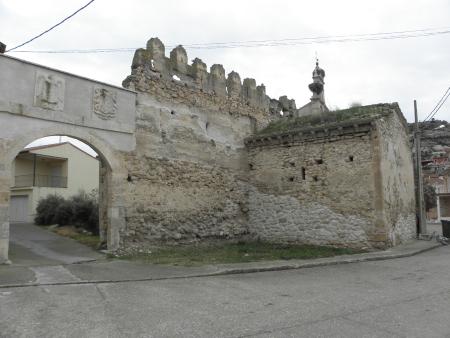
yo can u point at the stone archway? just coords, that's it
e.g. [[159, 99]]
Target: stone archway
[[38, 101], [109, 208]]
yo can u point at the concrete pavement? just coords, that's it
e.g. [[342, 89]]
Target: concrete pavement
[[33, 245], [405, 297], [43, 258]]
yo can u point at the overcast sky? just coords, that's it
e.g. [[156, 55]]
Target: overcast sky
[[368, 72]]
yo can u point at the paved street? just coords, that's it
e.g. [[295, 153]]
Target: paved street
[[406, 297], [31, 245]]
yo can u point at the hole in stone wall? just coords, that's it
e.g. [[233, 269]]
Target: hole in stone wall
[[319, 161], [129, 178], [172, 112], [315, 178], [350, 158], [250, 166], [303, 173], [291, 179], [292, 164], [206, 125]]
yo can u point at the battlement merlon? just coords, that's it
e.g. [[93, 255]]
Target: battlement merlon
[[175, 68]]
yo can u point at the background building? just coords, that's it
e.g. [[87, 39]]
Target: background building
[[436, 165], [61, 169]]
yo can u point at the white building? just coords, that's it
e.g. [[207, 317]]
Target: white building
[[61, 169]]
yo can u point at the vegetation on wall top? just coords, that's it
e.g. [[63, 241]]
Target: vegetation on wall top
[[286, 124]]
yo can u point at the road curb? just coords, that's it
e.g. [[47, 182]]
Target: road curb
[[223, 271], [336, 261]]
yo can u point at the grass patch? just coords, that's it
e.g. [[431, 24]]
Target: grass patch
[[77, 234], [194, 255]]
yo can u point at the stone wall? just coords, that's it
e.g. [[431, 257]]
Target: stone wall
[[179, 201], [396, 166], [346, 183], [211, 88], [187, 175], [313, 191], [181, 164]]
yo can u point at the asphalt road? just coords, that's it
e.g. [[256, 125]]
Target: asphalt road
[[407, 297]]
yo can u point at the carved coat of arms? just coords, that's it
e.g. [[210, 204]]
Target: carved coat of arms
[[105, 103], [49, 91]]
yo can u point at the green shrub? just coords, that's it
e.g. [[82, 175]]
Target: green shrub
[[80, 210], [64, 213], [85, 211], [46, 209]]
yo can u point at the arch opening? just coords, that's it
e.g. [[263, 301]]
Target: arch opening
[[66, 170]]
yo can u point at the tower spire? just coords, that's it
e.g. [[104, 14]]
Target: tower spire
[[318, 83]]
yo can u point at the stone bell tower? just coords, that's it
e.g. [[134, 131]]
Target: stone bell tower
[[317, 104]]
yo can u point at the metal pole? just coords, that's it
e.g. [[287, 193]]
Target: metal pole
[[420, 199]]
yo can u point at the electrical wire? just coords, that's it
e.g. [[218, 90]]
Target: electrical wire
[[273, 43], [51, 28], [438, 106]]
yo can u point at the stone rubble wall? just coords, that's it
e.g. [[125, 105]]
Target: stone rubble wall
[[343, 184], [282, 218], [317, 192], [178, 201], [187, 175]]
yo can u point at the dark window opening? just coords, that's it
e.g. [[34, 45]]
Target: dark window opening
[[303, 173], [291, 179], [292, 164], [319, 161], [172, 112], [350, 158], [315, 178], [250, 166]]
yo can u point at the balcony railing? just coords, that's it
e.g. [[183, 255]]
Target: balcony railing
[[49, 181]]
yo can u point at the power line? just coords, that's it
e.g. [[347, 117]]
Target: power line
[[274, 43], [324, 39], [315, 38], [48, 30], [439, 104]]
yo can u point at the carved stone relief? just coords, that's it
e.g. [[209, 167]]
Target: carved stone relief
[[104, 103], [49, 91]]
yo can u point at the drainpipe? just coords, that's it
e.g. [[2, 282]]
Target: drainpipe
[[34, 170]]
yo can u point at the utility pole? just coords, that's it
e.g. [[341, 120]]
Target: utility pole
[[419, 186]]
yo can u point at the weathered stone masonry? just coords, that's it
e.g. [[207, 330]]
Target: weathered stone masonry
[[191, 155], [188, 173], [192, 178], [346, 183]]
